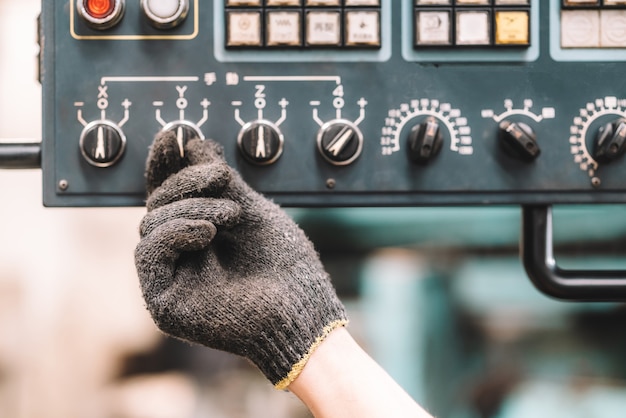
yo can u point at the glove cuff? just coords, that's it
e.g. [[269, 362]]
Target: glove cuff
[[297, 368]]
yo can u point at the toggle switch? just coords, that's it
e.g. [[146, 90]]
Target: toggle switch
[[261, 142], [101, 14], [340, 142], [610, 143], [425, 141], [165, 14], [102, 143], [518, 140]]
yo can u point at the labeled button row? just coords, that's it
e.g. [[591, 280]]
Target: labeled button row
[[309, 28], [464, 27]]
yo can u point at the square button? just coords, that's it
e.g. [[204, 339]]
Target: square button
[[236, 3], [323, 2], [244, 29], [362, 2], [580, 29], [283, 28], [614, 2], [433, 28], [433, 2], [613, 28], [473, 27], [512, 2], [323, 28], [362, 28], [284, 2], [472, 2], [512, 27]]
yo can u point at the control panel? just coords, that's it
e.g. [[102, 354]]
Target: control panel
[[341, 102]]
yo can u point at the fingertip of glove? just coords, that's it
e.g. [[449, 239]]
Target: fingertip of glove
[[164, 159], [200, 151]]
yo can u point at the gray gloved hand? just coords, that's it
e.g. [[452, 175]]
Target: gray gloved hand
[[222, 266]]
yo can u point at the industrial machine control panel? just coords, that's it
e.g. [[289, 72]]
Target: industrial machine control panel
[[341, 102]]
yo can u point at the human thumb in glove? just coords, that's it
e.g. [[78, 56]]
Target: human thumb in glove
[[222, 266]]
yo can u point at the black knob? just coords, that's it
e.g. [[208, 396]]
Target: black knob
[[184, 131], [261, 142], [102, 143], [610, 143], [518, 140], [340, 142], [425, 141]]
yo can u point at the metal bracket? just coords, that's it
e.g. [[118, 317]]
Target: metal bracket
[[20, 155], [536, 250]]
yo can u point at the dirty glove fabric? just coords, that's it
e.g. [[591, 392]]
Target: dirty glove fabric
[[222, 266]]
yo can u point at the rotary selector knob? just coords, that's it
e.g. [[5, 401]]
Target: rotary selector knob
[[184, 131], [165, 14], [340, 142], [425, 141], [261, 142], [518, 140], [610, 142], [102, 143]]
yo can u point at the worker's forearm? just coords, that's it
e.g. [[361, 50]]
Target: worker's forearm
[[341, 380]]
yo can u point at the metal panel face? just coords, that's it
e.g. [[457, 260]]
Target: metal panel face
[[354, 103]]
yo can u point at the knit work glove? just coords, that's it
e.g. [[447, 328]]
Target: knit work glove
[[222, 266]]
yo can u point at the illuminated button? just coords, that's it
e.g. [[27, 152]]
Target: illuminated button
[[284, 2], [362, 2], [512, 28], [613, 28], [433, 2], [323, 2], [101, 14], [512, 2], [283, 28], [362, 28], [580, 29], [323, 28], [472, 2], [433, 28], [244, 29], [473, 28], [165, 14], [236, 3], [614, 2]]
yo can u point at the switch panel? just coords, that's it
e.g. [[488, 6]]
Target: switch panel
[[341, 102]]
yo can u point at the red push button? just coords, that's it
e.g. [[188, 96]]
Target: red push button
[[101, 14]]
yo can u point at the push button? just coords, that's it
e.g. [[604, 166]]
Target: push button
[[165, 14], [323, 28], [101, 14], [283, 28], [244, 29], [512, 28], [363, 28]]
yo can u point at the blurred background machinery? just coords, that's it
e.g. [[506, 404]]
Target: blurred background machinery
[[436, 295]]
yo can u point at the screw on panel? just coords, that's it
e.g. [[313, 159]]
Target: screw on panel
[[330, 183], [596, 182], [63, 185]]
